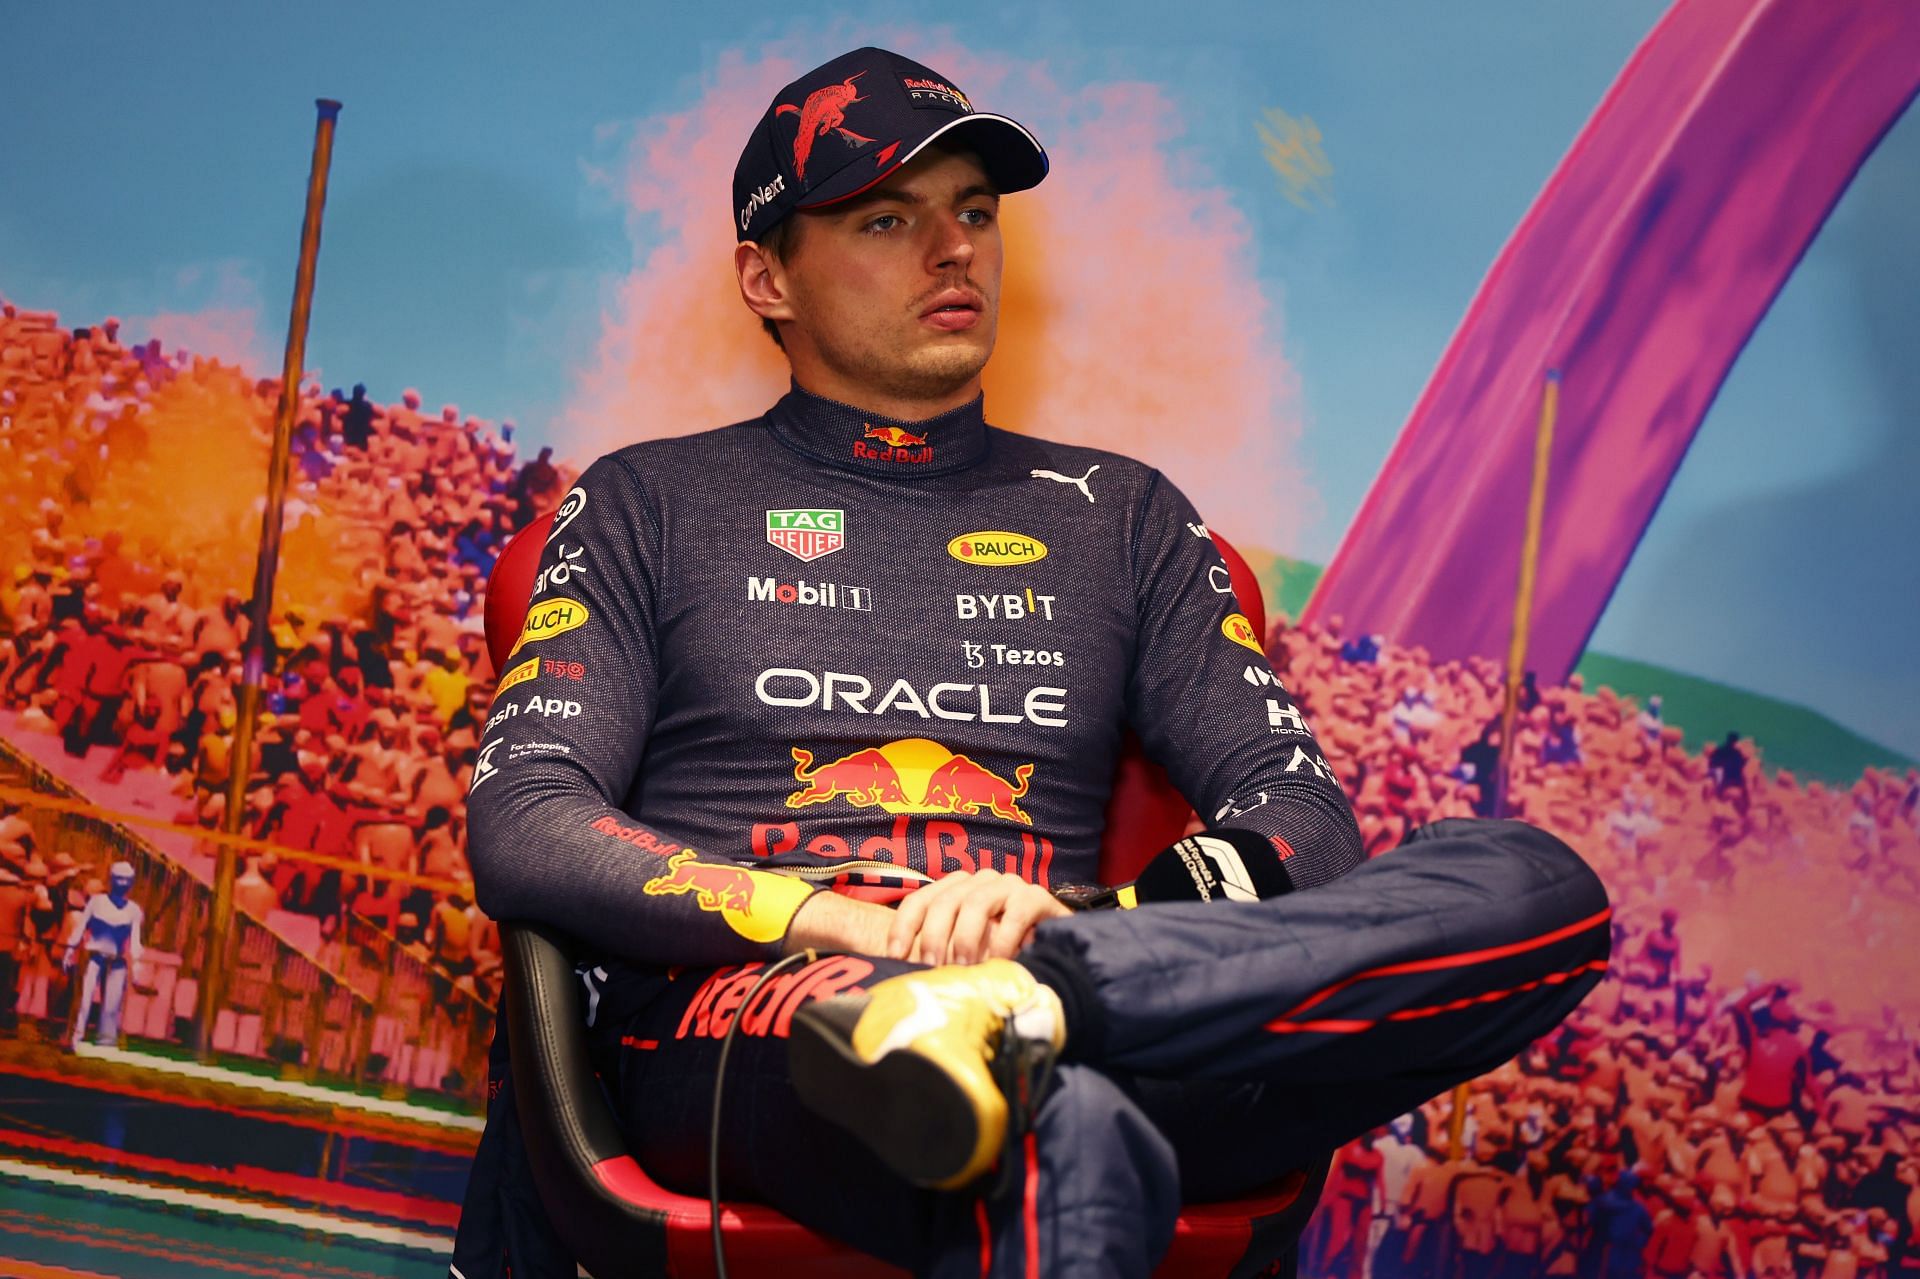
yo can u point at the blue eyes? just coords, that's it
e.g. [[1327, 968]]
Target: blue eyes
[[886, 222]]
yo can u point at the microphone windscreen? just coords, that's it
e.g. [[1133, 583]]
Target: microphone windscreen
[[1215, 865]]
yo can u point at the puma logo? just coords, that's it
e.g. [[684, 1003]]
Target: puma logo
[[1079, 483]]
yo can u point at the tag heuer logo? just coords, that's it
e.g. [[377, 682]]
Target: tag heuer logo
[[807, 534]]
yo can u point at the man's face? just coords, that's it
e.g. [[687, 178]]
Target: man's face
[[899, 289]]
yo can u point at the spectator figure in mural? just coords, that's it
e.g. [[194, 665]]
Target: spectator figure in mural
[[1727, 765], [105, 938], [1779, 1077], [22, 893], [356, 420], [1480, 767], [536, 488]]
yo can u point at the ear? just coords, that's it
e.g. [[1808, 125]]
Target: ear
[[763, 282]]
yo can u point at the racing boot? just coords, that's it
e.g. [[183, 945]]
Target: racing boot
[[919, 1067]]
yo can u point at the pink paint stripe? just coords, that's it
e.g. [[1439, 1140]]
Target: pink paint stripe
[[1640, 272]]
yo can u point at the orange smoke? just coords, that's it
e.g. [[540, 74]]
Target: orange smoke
[[225, 327], [1133, 317], [192, 492]]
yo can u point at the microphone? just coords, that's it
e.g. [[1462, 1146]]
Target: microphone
[[1214, 866]]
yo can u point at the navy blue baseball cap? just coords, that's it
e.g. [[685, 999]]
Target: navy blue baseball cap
[[848, 125]]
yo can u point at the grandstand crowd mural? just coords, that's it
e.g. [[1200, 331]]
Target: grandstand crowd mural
[[1743, 1087], [1740, 1096]]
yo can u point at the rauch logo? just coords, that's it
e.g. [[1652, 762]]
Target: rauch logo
[[546, 620], [996, 548]]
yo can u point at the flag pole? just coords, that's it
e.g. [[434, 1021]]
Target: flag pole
[[1517, 648], [213, 971]]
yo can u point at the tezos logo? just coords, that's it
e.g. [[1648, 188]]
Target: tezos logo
[[996, 549], [807, 533]]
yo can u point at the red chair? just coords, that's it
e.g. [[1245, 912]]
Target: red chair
[[619, 1221]]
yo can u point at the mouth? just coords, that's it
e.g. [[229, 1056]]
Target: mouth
[[953, 310]]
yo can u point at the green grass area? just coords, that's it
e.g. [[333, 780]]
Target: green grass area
[[1285, 584], [1790, 736]]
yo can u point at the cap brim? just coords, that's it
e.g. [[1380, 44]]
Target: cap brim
[[1013, 157]]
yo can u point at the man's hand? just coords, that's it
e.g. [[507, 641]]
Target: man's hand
[[969, 916]]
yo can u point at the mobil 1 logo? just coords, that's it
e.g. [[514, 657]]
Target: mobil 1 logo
[[768, 590]]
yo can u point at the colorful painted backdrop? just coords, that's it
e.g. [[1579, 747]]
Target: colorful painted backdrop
[[1350, 250]]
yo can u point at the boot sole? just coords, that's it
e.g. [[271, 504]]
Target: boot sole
[[904, 1108]]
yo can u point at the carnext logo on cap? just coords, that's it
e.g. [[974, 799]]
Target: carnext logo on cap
[[761, 198]]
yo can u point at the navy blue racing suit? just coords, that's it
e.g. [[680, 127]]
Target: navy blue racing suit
[[824, 650]]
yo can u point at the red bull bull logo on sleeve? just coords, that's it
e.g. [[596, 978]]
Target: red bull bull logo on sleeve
[[912, 775], [757, 904]]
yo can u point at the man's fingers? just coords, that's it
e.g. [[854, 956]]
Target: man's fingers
[[973, 923], [1010, 931], [911, 914], [1023, 914], [937, 927]]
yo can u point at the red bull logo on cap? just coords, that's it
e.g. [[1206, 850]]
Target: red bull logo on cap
[[912, 775], [757, 904]]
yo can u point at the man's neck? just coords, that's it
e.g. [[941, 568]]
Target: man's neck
[[901, 408]]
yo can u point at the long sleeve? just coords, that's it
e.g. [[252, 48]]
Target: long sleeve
[[564, 748], [1208, 706]]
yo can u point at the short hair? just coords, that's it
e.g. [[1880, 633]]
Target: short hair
[[778, 243]]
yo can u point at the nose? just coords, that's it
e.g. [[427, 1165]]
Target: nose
[[952, 246]]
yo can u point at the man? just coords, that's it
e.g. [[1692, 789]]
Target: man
[[866, 642], [107, 933]]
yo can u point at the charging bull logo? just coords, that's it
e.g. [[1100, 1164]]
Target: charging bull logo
[[824, 112], [756, 904], [912, 775], [898, 437]]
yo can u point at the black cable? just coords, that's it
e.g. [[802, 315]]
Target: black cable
[[719, 1083]]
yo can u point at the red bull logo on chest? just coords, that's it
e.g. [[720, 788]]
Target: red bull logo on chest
[[912, 775]]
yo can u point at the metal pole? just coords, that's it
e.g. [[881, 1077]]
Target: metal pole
[[213, 972], [1517, 648], [1523, 593]]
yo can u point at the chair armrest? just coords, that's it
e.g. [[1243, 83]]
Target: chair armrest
[[593, 1190]]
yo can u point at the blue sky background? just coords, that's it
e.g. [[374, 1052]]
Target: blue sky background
[[155, 162]]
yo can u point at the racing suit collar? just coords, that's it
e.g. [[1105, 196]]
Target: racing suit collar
[[853, 439]]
